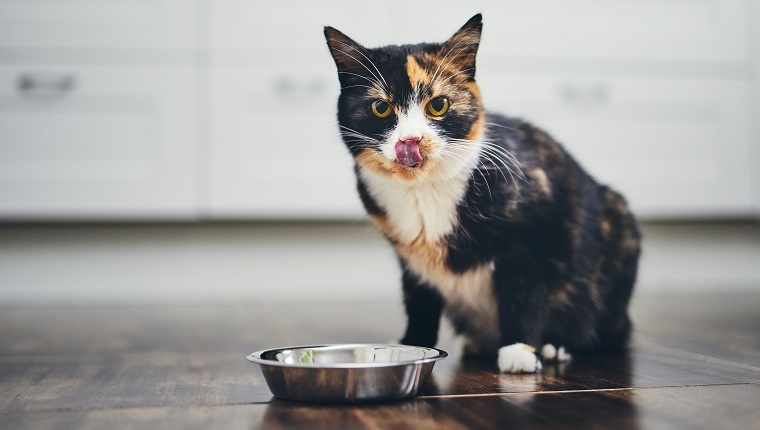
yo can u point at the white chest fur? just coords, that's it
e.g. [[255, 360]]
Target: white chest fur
[[418, 217], [426, 211]]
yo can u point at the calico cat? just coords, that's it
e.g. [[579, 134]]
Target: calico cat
[[495, 225]]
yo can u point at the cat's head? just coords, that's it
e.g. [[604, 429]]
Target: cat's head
[[410, 112]]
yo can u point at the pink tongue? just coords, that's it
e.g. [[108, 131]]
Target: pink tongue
[[408, 153]]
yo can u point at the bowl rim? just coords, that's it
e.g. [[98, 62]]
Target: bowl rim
[[255, 357]]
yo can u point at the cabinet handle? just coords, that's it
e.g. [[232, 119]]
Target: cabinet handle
[[585, 93], [46, 83], [285, 86]]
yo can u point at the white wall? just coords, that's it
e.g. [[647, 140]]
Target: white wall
[[269, 263]]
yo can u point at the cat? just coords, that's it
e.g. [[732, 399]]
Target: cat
[[494, 224]]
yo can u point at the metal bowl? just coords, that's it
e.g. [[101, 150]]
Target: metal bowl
[[347, 373]]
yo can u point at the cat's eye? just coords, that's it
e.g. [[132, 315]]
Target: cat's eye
[[438, 106], [381, 108]]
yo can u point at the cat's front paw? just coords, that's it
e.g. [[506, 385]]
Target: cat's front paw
[[518, 358]]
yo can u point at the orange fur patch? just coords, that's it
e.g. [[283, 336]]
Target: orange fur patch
[[417, 75], [605, 228], [542, 181], [561, 295]]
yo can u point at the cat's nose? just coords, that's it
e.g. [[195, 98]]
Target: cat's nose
[[410, 139]]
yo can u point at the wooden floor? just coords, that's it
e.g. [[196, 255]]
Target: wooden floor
[[695, 364]]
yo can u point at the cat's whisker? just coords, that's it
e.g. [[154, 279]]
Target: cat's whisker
[[370, 61], [359, 86], [497, 159], [511, 175], [363, 139], [441, 63], [432, 79], [357, 134], [360, 62], [496, 165], [501, 149], [502, 154], [509, 157], [472, 164], [364, 143], [502, 126], [372, 81], [449, 78], [488, 157], [457, 54]]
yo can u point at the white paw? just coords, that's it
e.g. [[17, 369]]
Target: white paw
[[549, 352], [518, 358]]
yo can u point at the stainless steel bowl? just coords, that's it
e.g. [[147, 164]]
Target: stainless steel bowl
[[347, 373]]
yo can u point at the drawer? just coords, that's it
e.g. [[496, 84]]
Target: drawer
[[675, 148], [274, 148], [92, 143], [82, 24], [667, 30]]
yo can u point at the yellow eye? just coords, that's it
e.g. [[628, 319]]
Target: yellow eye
[[438, 106], [381, 108]]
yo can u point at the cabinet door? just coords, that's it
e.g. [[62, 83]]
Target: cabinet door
[[274, 149], [674, 148], [78, 24], [273, 145], [89, 143], [668, 30]]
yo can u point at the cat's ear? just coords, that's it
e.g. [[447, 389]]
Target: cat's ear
[[462, 47], [348, 54]]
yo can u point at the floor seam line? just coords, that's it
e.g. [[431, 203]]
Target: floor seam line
[[599, 390]]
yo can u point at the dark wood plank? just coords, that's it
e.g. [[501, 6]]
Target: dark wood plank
[[240, 329], [72, 382], [714, 326], [693, 408]]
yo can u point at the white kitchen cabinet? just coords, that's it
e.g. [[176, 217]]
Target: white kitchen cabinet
[[638, 30], [97, 143], [674, 148], [86, 24], [226, 108], [275, 150]]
